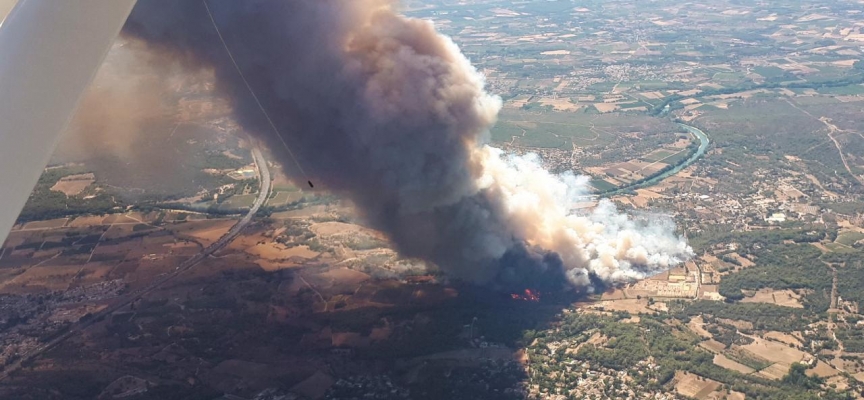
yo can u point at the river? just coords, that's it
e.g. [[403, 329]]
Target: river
[[704, 141]]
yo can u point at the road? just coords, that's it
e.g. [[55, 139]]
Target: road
[[832, 129], [264, 177]]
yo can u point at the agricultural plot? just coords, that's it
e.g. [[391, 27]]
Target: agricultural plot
[[284, 198], [786, 298], [850, 237], [73, 185], [728, 363], [547, 130], [694, 386], [659, 154], [238, 202]]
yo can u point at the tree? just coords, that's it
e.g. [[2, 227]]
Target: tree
[[797, 376]]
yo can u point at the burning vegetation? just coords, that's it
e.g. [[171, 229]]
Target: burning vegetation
[[527, 295]]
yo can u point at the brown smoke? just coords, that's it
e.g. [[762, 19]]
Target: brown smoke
[[125, 97], [131, 119]]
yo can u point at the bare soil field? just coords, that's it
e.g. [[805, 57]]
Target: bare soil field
[[644, 196], [283, 198], [307, 212], [130, 249], [745, 262], [81, 222], [16, 238], [775, 352], [93, 272], [110, 252], [301, 251], [822, 370], [49, 224], [652, 95], [277, 251], [690, 101], [205, 231], [274, 265], [784, 338], [746, 325], [120, 219], [182, 248], [695, 386], [726, 362], [786, 298], [517, 102], [118, 231], [697, 325], [839, 381], [346, 276], [635, 306], [73, 185], [605, 107], [614, 294], [335, 228], [560, 104], [148, 269], [713, 346], [775, 371], [41, 279], [46, 253]]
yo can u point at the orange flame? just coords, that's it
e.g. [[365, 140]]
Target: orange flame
[[528, 295]]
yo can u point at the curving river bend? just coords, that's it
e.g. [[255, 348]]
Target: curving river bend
[[704, 141]]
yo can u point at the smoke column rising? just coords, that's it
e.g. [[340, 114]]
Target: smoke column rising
[[383, 110]]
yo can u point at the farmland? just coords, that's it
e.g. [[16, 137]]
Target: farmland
[[310, 300]]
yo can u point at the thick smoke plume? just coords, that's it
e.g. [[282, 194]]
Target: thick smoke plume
[[384, 110]]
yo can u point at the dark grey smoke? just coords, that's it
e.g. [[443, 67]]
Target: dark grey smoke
[[383, 110], [405, 160]]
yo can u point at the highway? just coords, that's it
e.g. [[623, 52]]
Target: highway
[[264, 193]]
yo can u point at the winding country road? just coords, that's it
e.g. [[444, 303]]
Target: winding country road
[[264, 177], [832, 129]]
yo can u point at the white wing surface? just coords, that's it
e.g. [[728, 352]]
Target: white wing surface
[[49, 52]]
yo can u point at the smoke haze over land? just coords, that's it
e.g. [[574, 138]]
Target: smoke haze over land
[[134, 129], [385, 111], [124, 98]]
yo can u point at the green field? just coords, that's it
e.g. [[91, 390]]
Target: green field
[[678, 157], [602, 87], [728, 77], [547, 129], [602, 185], [283, 198], [849, 238], [769, 72], [544, 139], [850, 90], [240, 201], [839, 248], [626, 106], [651, 85], [658, 155]]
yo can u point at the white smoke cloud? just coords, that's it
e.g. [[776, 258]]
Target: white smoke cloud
[[601, 241]]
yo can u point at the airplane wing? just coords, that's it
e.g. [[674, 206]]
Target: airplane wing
[[49, 52]]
